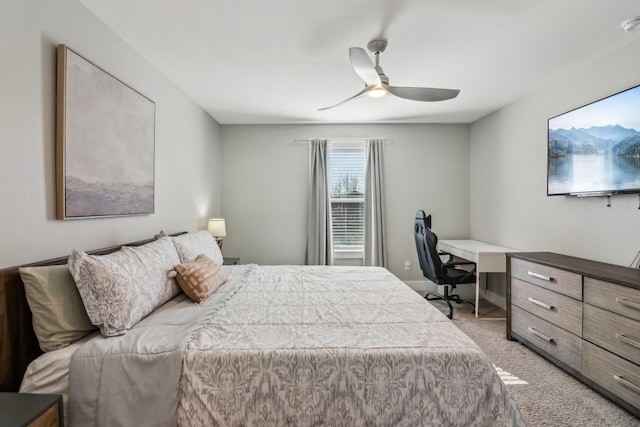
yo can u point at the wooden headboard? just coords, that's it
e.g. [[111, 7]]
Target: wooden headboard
[[18, 343]]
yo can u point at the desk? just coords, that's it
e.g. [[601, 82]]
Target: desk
[[488, 258]]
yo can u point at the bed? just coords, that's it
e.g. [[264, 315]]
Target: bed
[[288, 345]]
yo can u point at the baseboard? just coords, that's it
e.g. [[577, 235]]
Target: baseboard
[[421, 286]]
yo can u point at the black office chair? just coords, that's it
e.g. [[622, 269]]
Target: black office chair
[[432, 267]]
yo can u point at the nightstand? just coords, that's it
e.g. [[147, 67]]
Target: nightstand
[[231, 261], [32, 410]]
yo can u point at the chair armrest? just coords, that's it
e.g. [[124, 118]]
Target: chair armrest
[[453, 265], [446, 253]]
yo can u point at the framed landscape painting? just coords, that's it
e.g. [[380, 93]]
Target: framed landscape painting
[[105, 143]]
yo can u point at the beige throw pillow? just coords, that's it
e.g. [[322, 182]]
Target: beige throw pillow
[[200, 278], [59, 317]]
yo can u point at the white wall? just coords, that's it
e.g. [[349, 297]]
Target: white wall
[[509, 205], [265, 178], [188, 147]]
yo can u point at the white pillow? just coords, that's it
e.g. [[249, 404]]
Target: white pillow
[[191, 245], [121, 288]]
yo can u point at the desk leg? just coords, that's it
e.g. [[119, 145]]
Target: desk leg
[[477, 309], [481, 282]]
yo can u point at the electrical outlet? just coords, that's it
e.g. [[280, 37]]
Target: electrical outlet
[[407, 265]]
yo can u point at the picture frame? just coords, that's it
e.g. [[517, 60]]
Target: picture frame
[[105, 143]]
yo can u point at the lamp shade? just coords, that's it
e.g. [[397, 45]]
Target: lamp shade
[[217, 227]]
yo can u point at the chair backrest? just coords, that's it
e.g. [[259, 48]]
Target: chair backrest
[[427, 247]]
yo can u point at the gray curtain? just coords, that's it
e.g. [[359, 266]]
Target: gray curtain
[[319, 241], [375, 242]]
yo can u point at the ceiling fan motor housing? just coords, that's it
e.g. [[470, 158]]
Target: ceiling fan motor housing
[[377, 46]]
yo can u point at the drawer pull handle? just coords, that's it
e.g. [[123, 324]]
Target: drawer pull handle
[[627, 340], [540, 303], [539, 276], [627, 383], [539, 334], [628, 303]]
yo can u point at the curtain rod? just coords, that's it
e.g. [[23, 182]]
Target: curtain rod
[[300, 141]]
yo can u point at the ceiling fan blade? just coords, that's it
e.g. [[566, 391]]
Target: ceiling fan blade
[[362, 92], [363, 66], [423, 93]]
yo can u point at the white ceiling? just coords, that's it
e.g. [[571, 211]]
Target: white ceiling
[[278, 61]]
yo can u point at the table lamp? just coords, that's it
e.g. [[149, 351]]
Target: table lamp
[[217, 228]]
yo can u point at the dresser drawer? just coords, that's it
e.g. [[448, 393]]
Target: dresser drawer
[[556, 308], [619, 299], [611, 372], [616, 333], [557, 342], [557, 280]]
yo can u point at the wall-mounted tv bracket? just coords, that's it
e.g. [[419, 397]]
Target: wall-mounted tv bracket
[[603, 194]]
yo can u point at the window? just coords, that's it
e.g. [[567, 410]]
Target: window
[[347, 168]]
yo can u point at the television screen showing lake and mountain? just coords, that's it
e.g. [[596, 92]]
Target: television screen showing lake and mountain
[[595, 149]]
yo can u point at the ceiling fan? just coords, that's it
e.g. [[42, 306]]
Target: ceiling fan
[[377, 83]]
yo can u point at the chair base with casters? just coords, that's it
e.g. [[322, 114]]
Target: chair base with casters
[[433, 296]]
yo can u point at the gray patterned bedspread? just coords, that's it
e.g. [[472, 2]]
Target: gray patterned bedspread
[[292, 345]]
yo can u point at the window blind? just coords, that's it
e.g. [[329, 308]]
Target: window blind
[[347, 168]]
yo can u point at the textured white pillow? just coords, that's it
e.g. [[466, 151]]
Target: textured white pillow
[[191, 245], [121, 288]]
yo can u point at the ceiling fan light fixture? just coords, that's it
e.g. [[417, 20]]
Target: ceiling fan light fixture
[[376, 83], [377, 92]]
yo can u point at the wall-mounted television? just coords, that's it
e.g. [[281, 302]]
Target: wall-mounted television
[[595, 149]]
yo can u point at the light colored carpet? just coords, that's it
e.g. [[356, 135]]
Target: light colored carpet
[[551, 397]]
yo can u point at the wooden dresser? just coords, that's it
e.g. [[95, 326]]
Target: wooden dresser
[[582, 315]]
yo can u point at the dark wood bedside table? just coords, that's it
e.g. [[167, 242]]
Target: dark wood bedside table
[[230, 261], [32, 410]]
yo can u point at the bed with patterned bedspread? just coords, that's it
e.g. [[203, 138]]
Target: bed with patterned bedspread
[[291, 345]]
